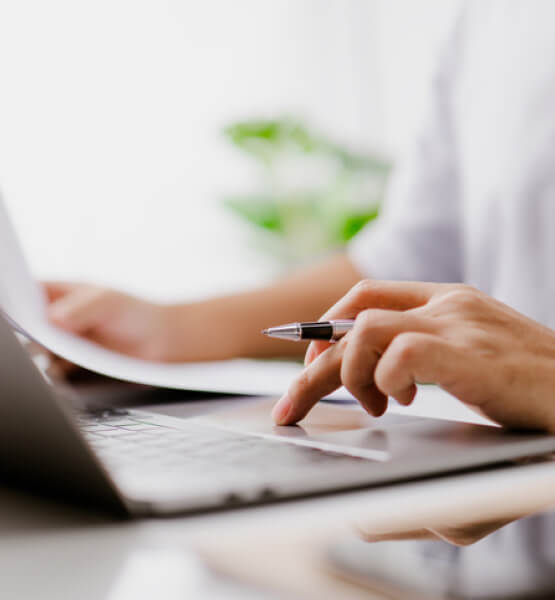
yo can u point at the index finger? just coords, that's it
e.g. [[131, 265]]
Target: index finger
[[369, 293], [388, 295]]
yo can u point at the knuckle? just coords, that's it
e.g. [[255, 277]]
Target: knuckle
[[406, 346], [361, 288], [353, 379], [463, 298], [356, 370], [368, 319], [302, 383]]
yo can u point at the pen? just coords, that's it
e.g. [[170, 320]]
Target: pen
[[330, 331]]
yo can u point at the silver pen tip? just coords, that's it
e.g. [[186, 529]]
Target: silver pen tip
[[284, 332]]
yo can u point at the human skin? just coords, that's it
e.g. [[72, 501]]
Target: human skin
[[485, 353], [213, 329], [462, 534], [478, 349]]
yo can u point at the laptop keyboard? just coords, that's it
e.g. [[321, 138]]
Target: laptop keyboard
[[127, 442]]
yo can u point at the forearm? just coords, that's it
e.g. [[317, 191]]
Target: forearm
[[229, 326]]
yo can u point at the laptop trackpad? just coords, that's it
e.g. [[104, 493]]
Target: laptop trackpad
[[330, 427], [404, 442]]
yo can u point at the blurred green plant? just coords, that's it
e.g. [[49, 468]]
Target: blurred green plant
[[314, 195]]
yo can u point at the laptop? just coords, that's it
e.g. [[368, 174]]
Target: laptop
[[136, 463]]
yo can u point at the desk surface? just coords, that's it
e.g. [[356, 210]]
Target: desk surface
[[50, 551]]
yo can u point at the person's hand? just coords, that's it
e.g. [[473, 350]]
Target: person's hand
[[115, 320], [186, 332], [476, 348], [463, 534]]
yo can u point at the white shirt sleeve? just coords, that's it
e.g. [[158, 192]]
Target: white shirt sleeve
[[417, 235]]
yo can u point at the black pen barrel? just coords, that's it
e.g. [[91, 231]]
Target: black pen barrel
[[316, 331]]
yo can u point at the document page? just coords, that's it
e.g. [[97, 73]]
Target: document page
[[23, 304]]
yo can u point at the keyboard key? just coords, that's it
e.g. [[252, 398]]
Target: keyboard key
[[196, 452]]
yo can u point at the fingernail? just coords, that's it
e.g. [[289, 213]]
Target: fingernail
[[281, 410]]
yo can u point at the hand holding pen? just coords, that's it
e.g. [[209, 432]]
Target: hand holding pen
[[473, 346]]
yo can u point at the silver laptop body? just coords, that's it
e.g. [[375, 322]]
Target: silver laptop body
[[134, 462]]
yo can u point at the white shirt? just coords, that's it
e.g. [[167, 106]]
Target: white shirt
[[474, 200]]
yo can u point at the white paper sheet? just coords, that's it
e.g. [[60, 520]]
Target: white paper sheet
[[23, 303]]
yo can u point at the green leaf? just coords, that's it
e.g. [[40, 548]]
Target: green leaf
[[353, 223], [257, 209], [264, 139], [305, 221]]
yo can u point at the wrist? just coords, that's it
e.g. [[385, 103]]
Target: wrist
[[199, 331]]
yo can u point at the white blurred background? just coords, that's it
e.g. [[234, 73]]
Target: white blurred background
[[112, 161]]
